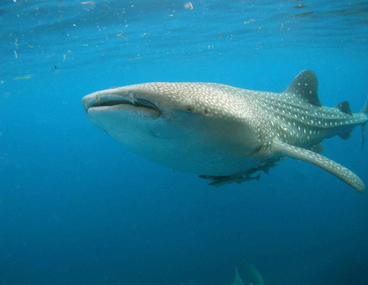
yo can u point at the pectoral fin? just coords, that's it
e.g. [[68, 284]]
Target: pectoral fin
[[323, 162]]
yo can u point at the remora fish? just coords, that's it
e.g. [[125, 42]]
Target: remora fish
[[222, 132]]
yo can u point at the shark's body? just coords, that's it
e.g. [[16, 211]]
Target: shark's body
[[222, 132]]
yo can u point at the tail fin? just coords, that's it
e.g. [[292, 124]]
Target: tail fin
[[364, 111]]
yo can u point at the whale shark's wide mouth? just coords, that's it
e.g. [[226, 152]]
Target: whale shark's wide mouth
[[99, 101]]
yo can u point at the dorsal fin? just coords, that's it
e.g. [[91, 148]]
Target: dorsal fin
[[344, 107], [305, 84]]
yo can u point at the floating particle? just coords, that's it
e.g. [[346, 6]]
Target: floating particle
[[300, 6], [188, 6], [138, 57], [251, 20], [89, 3]]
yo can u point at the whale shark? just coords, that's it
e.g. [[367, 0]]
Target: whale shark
[[223, 133]]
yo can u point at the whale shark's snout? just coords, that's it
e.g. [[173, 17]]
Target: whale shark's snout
[[119, 99]]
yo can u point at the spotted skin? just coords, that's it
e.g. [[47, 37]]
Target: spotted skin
[[323, 162], [221, 131]]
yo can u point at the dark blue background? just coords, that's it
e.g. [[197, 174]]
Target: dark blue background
[[77, 208]]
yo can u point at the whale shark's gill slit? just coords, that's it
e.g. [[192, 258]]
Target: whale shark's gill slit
[[146, 103]]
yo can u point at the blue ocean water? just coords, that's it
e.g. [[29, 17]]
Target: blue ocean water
[[77, 208]]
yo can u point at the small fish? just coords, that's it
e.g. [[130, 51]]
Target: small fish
[[23, 77]]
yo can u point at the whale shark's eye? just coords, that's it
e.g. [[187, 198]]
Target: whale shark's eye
[[189, 109]]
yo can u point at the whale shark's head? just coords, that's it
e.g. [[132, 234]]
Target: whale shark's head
[[192, 127]]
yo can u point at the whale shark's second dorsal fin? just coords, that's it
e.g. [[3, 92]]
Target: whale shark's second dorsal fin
[[344, 107], [305, 85]]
